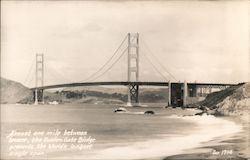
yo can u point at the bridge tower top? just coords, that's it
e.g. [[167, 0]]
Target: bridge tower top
[[133, 57], [39, 70]]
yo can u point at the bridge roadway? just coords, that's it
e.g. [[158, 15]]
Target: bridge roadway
[[125, 83]]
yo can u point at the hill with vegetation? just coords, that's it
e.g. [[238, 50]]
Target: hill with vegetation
[[234, 100], [13, 92], [103, 95]]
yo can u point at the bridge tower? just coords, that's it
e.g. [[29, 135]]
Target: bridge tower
[[38, 93], [133, 68]]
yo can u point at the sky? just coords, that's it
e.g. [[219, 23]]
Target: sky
[[202, 41]]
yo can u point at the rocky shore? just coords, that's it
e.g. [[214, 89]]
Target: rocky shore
[[233, 101], [232, 104]]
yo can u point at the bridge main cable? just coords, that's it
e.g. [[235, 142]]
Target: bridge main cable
[[111, 64], [157, 70], [96, 73], [164, 68]]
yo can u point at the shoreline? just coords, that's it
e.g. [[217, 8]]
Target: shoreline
[[200, 143], [177, 144], [235, 146]]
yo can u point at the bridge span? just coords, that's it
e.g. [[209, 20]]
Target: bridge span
[[177, 91], [125, 83]]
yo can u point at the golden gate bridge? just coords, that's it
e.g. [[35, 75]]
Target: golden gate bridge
[[177, 91]]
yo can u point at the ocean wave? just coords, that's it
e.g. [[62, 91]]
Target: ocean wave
[[208, 128], [128, 112]]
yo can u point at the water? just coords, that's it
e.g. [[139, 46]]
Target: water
[[118, 136]]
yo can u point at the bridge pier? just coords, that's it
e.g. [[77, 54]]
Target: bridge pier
[[176, 94], [38, 96], [133, 96], [35, 97], [169, 93], [185, 93]]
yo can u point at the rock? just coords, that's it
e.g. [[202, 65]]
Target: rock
[[212, 112], [199, 114], [149, 112], [53, 103], [121, 109]]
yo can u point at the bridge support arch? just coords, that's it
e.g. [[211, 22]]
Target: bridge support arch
[[134, 93]]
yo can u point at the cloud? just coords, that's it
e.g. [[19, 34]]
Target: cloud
[[203, 41]]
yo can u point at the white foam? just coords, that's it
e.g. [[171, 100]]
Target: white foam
[[209, 127], [128, 112]]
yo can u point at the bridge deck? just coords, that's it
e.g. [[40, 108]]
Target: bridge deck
[[124, 83]]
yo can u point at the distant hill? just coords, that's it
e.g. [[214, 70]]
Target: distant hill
[[146, 95], [13, 92], [106, 95]]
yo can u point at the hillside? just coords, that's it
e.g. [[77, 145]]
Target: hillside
[[234, 100], [13, 92], [215, 98], [105, 95], [237, 103]]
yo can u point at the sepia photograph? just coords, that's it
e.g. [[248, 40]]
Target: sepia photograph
[[125, 80]]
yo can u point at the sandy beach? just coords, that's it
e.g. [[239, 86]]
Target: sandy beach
[[234, 147]]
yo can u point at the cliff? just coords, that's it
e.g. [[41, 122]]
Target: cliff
[[234, 100], [237, 103]]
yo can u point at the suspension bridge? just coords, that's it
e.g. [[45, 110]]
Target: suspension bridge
[[178, 92]]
